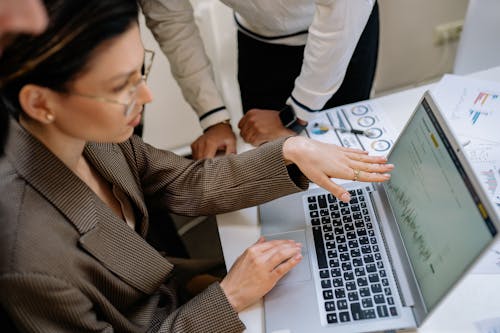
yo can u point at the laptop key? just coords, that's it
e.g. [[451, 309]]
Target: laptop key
[[311, 199], [353, 296], [334, 263], [315, 221], [364, 292], [379, 299], [357, 262], [325, 284], [331, 198], [320, 248], [344, 317], [367, 303], [313, 206], [332, 254], [339, 293], [342, 304], [329, 306], [350, 285], [336, 272], [331, 318], [327, 294], [369, 314], [390, 300], [362, 281], [324, 274], [357, 313], [393, 311], [382, 311], [338, 282], [376, 288], [322, 201]]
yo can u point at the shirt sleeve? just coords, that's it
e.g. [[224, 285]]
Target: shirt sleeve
[[333, 35], [173, 26]]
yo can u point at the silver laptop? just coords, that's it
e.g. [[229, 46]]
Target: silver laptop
[[385, 260]]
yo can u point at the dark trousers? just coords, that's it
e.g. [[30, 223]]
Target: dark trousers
[[267, 72]]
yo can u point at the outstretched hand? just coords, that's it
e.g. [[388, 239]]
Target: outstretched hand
[[258, 269], [320, 161]]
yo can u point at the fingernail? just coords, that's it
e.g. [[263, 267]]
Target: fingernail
[[298, 244], [390, 165], [387, 175], [298, 256], [345, 197]]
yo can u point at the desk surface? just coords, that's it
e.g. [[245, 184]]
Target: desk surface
[[478, 296]]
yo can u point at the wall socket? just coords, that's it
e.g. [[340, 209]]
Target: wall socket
[[448, 32]]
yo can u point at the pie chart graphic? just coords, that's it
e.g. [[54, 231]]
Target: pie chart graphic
[[381, 145], [359, 110]]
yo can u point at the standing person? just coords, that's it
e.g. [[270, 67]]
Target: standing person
[[308, 54], [74, 254], [313, 56], [173, 26], [18, 16]]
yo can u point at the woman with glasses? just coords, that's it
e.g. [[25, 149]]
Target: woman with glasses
[[75, 185]]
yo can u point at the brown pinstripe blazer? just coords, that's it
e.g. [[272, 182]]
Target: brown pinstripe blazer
[[68, 264]]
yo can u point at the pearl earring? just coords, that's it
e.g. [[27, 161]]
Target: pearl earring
[[49, 117]]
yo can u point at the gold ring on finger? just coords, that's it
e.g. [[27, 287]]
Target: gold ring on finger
[[356, 174]]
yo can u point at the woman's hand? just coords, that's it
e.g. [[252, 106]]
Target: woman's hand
[[321, 161], [258, 269]]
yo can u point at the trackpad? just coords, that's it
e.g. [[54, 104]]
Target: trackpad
[[301, 272]]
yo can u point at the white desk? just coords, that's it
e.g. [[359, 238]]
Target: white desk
[[478, 296]]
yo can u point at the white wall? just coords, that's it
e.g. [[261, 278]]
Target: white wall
[[407, 53], [407, 56]]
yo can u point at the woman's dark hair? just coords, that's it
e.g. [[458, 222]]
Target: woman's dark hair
[[59, 55]]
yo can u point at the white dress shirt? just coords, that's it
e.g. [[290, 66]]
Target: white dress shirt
[[329, 29]]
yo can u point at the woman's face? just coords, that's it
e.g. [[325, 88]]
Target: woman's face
[[112, 74]]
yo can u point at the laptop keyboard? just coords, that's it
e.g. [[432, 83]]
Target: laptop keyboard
[[353, 278]]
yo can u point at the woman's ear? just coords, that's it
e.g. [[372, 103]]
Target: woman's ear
[[36, 103]]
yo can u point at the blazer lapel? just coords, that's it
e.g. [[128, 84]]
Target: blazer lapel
[[111, 163], [106, 237]]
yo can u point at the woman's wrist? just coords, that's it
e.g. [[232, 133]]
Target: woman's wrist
[[292, 148], [231, 296]]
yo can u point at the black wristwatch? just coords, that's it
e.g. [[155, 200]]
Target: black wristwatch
[[289, 119]]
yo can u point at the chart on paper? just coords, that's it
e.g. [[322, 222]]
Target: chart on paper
[[372, 132]]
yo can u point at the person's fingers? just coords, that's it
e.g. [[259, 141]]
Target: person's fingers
[[283, 268], [277, 254], [371, 167], [338, 191], [373, 177], [352, 150], [367, 158], [263, 246], [230, 146]]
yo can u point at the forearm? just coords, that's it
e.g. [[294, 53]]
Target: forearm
[[173, 26], [333, 36]]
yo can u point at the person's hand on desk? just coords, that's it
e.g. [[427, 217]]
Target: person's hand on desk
[[219, 137], [259, 126], [258, 270], [320, 161]]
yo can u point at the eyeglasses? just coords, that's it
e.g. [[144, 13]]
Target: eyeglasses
[[132, 92]]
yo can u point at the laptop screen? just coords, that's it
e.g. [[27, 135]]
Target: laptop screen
[[442, 222]]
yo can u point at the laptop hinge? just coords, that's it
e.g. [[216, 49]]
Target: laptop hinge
[[399, 273]]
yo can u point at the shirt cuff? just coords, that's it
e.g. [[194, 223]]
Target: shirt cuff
[[301, 111], [213, 117]]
